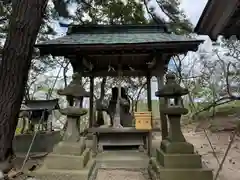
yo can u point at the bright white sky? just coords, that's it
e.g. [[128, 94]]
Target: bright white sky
[[193, 9]]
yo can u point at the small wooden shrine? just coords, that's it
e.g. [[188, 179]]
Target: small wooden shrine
[[117, 51], [36, 110]]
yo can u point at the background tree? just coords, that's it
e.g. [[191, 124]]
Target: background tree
[[110, 12], [174, 15]]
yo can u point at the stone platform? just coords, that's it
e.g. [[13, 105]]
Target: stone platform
[[158, 172], [169, 165], [68, 161], [127, 136], [122, 160], [60, 174]]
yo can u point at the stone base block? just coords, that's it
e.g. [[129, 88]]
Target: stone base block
[[47, 174], [67, 162], [158, 172], [178, 160], [177, 147], [89, 144], [69, 148], [125, 159]]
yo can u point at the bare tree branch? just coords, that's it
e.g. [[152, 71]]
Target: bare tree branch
[[156, 20], [2, 20]]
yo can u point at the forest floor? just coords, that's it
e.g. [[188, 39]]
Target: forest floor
[[219, 141]]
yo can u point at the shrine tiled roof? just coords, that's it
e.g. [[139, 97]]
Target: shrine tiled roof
[[128, 45], [141, 34], [117, 38], [40, 105]]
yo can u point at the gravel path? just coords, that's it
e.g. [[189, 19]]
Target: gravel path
[[120, 174]]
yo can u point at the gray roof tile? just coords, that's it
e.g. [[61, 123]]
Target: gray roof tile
[[116, 38]]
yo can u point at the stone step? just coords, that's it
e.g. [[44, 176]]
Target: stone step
[[157, 172], [124, 153], [67, 162], [178, 160], [61, 174], [66, 148], [122, 159]]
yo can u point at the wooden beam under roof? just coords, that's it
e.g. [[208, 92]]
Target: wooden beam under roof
[[108, 67], [217, 15], [136, 73]]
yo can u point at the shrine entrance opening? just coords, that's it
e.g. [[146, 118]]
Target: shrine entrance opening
[[120, 51], [121, 148]]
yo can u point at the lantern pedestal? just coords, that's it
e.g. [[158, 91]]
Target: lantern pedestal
[[70, 148], [72, 133], [177, 147], [176, 142], [178, 167], [177, 161], [168, 160]]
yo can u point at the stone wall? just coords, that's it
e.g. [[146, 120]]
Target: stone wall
[[44, 142]]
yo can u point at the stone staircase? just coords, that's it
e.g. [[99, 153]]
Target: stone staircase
[[121, 163]]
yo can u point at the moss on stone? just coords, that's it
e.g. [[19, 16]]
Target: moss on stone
[[75, 88], [73, 111], [171, 89], [175, 111]]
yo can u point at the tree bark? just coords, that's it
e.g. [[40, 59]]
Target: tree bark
[[24, 26]]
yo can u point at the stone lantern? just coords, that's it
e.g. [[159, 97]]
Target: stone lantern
[[174, 109], [70, 156], [75, 91], [175, 159]]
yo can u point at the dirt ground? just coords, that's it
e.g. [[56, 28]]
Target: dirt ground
[[220, 141]]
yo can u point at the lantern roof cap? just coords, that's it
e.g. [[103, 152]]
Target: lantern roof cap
[[171, 89], [75, 88]]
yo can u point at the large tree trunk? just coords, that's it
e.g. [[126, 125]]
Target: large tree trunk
[[24, 25]]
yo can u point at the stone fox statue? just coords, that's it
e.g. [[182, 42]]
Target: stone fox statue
[[125, 116]]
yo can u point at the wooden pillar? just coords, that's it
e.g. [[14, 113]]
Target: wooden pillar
[[51, 122], [149, 94], [91, 102], [164, 125], [149, 103]]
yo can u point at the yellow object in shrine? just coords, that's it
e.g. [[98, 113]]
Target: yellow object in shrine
[[143, 120]]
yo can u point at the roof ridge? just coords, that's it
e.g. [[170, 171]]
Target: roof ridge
[[98, 29]]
